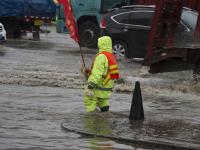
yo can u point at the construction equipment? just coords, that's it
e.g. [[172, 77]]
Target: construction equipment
[[161, 41]]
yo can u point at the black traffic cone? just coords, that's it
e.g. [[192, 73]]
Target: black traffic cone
[[137, 112]]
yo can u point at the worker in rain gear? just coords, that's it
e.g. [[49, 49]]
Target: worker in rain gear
[[101, 77]]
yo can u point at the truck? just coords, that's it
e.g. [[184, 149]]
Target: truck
[[161, 43], [88, 15], [21, 16]]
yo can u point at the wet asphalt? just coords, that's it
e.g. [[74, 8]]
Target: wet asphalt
[[41, 84]]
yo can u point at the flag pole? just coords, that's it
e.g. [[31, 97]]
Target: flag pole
[[71, 24], [83, 60]]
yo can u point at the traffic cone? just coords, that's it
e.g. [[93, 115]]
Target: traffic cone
[[137, 112]]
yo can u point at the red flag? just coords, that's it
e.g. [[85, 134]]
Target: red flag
[[70, 20]]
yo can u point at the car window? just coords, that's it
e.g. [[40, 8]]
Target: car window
[[182, 27], [141, 18], [190, 18], [122, 18]]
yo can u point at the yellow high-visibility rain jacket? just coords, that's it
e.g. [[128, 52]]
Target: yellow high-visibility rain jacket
[[100, 70]]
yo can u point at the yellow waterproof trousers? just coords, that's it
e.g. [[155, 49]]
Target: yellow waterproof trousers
[[91, 103]]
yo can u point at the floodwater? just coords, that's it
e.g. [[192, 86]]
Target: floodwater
[[40, 84], [30, 119]]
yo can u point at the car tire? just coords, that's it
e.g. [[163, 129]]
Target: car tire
[[89, 32], [120, 49]]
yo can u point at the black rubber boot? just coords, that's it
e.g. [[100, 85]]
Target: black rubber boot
[[105, 109]]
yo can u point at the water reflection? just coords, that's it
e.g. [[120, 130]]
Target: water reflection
[[100, 125], [100, 144], [96, 124]]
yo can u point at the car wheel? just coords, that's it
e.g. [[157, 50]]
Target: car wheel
[[196, 72], [119, 49], [89, 32]]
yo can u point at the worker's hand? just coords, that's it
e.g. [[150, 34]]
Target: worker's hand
[[85, 71], [89, 92]]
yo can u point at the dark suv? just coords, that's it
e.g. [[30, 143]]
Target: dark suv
[[129, 27]]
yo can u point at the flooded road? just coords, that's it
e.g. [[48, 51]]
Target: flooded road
[[30, 119], [40, 84], [31, 105]]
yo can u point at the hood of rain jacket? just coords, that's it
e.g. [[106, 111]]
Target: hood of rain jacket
[[105, 44]]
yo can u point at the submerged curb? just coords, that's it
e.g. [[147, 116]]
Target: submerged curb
[[137, 138]]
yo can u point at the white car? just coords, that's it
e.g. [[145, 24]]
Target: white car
[[2, 33]]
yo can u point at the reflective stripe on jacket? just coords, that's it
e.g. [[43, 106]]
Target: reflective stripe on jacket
[[113, 71]]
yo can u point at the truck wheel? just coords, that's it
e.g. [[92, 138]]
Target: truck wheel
[[196, 72], [89, 33]]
